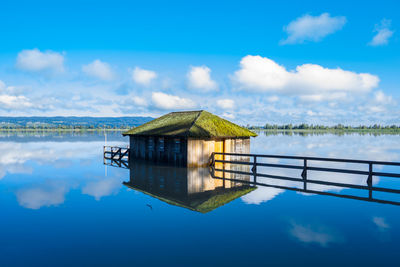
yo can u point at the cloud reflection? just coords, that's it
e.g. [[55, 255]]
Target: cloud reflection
[[261, 194], [48, 194], [381, 223], [317, 234], [102, 187], [45, 189]]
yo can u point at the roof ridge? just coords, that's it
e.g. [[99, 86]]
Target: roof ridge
[[194, 121], [188, 111]]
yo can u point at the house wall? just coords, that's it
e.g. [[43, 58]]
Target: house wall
[[185, 152], [162, 150], [199, 151]]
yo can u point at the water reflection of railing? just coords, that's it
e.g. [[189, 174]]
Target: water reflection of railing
[[253, 160], [116, 156]]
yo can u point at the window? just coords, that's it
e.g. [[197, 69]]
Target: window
[[161, 182], [177, 145], [151, 144], [161, 144]]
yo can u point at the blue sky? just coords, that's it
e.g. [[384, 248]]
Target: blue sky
[[249, 61]]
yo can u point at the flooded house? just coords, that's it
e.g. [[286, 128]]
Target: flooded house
[[187, 139]]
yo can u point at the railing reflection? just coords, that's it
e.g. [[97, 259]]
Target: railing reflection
[[116, 156]]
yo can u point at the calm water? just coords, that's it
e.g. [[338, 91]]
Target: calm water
[[60, 206]]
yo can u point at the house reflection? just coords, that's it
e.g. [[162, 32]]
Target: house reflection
[[191, 188]]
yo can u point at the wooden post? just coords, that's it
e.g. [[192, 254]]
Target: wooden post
[[304, 174], [104, 154], [254, 169], [369, 180]]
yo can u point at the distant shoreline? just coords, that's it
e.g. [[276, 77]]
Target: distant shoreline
[[333, 131], [61, 130], [266, 131]]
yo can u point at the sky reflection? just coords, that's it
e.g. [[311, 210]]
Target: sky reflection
[[59, 203]]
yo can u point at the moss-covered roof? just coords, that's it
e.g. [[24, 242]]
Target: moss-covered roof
[[196, 124]]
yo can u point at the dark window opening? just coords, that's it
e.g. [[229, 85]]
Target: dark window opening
[[177, 145], [161, 144], [151, 144]]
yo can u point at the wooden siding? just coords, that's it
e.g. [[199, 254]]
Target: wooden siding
[[199, 151], [185, 152], [169, 151]]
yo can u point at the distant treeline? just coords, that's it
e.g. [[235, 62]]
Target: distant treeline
[[64, 127], [71, 123], [324, 132], [317, 127]]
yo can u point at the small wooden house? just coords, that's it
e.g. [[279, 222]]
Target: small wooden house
[[187, 139]]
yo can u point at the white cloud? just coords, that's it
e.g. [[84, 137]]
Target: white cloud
[[142, 76], [14, 102], [140, 101], [383, 33], [228, 116], [273, 98], [311, 81], [226, 103], [165, 101], [310, 113], [312, 28], [380, 103], [259, 73], [35, 60], [2, 86], [381, 98], [323, 97], [98, 69], [199, 78]]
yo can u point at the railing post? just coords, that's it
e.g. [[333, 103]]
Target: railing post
[[212, 164], [104, 155], [254, 169], [369, 180], [304, 174]]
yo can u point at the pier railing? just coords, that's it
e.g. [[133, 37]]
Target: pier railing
[[253, 161], [116, 156]]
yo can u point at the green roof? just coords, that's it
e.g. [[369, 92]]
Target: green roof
[[196, 124]]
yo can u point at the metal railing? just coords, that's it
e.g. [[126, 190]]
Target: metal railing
[[116, 156], [305, 167]]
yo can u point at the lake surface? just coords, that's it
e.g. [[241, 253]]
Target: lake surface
[[60, 206]]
